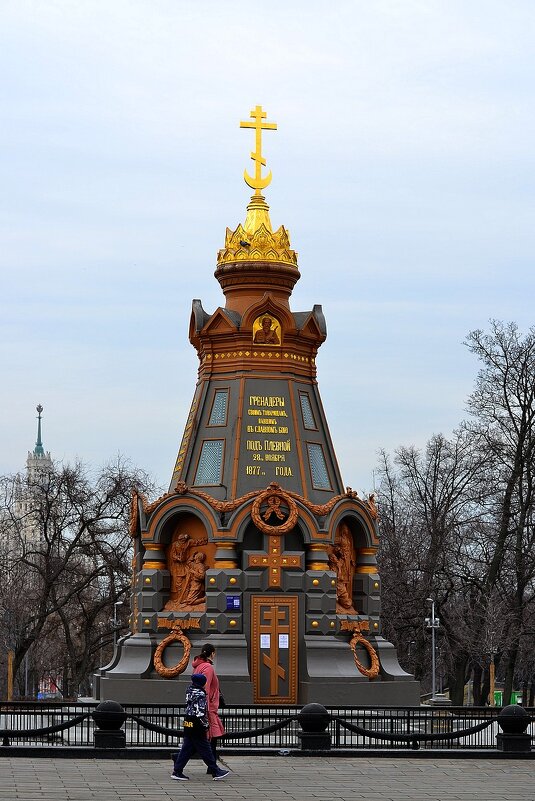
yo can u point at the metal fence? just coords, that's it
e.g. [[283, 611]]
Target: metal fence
[[452, 728], [258, 727], [42, 723]]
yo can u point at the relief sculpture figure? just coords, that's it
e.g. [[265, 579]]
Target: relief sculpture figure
[[180, 568], [194, 592], [342, 560], [336, 563]]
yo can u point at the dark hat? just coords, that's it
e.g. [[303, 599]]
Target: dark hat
[[198, 680]]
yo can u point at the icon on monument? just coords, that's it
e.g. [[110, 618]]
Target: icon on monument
[[266, 330]]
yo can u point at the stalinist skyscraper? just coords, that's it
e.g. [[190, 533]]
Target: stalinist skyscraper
[[38, 466]]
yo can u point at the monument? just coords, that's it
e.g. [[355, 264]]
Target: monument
[[257, 546]]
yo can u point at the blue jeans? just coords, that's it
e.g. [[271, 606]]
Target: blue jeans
[[190, 744]]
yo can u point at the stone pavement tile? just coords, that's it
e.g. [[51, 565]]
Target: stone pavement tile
[[270, 779]]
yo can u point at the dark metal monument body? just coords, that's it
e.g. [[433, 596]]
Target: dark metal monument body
[[257, 547]]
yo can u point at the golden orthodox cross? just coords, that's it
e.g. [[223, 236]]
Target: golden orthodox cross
[[258, 116], [275, 559]]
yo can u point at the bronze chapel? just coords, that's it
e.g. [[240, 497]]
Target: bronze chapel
[[257, 546]]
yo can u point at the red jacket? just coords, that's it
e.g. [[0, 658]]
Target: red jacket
[[205, 666]]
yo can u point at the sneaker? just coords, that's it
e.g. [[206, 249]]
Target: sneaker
[[180, 777], [220, 774]]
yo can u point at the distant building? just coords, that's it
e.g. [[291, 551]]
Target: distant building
[[26, 528]]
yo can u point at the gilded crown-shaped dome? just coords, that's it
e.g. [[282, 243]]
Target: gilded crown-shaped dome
[[255, 240]]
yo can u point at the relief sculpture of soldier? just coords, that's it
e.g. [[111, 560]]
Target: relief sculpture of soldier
[[194, 592], [186, 573], [342, 561]]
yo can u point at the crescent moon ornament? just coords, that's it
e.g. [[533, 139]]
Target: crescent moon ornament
[[257, 183]]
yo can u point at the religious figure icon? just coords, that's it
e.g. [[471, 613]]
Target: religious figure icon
[[342, 560], [266, 330]]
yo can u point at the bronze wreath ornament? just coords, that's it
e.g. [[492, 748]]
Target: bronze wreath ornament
[[176, 635], [274, 497], [373, 671]]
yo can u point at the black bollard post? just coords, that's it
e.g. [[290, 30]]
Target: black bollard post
[[314, 719], [513, 720], [109, 717]]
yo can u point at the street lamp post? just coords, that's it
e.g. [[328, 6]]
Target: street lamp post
[[432, 623], [492, 671], [115, 621]]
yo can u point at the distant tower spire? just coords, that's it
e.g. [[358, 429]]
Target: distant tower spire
[[39, 450], [38, 465], [38, 461]]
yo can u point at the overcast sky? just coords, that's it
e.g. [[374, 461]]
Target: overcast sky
[[403, 167]]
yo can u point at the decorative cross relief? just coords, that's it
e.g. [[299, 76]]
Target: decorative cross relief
[[274, 559], [274, 648], [274, 619]]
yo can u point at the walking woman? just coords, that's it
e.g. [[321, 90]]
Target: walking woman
[[204, 663]]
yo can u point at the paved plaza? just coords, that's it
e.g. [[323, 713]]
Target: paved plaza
[[271, 779]]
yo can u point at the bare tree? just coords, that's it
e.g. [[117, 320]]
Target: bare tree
[[429, 508], [503, 410], [70, 561], [458, 524]]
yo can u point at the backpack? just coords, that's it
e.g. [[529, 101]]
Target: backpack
[[196, 712]]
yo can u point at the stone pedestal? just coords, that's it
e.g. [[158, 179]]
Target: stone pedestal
[[109, 717], [132, 676], [328, 675], [314, 719], [333, 679], [513, 720], [109, 739], [514, 743], [314, 741]]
